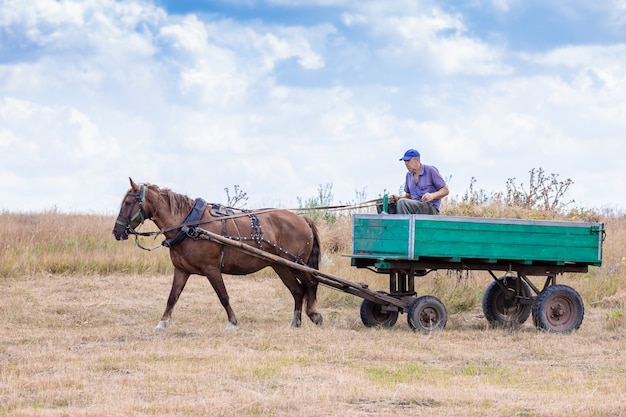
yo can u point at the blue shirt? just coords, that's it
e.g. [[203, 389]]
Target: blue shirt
[[429, 181]]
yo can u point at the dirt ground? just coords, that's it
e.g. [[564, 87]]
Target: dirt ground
[[86, 346]]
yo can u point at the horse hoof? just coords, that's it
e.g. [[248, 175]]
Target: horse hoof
[[231, 327], [317, 319], [163, 324], [296, 320]]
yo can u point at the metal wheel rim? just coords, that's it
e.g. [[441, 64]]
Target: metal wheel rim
[[507, 308], [560, 311], [429, 317], [379, 315]]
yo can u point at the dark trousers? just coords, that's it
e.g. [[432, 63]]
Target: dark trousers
[[408, 206]]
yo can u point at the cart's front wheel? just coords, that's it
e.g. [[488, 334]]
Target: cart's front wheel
[[427, 313], [558, 309], [377, 315], [502, 305]]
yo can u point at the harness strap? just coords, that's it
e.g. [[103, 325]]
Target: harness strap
[[225, 235], [195, 214], [256, 232]]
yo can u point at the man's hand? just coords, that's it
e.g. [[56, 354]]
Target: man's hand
[[428, 197]]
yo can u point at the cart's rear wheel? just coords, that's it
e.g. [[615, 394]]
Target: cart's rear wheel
[[377, 315], [558, 309], [502, 306], [427, 313]]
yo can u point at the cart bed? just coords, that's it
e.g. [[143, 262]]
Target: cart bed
[[456, 239]]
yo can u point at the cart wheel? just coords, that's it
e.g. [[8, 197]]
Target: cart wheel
[[502, 307], [427, 313], [374, 315], [559, 309]]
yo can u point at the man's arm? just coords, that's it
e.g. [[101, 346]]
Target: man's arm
[[437, 195]]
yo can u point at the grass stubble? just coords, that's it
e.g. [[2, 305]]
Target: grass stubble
[[83, 344]]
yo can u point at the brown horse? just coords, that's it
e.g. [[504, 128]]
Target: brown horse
[[280, 232]]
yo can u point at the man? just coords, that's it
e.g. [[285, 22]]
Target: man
[[424, 187]]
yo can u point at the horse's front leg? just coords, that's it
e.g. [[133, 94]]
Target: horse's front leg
[[217, 282], [178, 284]]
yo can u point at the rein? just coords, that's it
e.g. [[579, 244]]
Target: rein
[[184, 228]]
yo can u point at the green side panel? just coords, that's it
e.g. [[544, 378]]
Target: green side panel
[[517, 241], [490, 240], [382, 237]]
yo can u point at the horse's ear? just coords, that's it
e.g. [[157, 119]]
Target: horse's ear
[[134, 186]]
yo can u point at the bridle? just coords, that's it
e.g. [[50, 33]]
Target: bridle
[[140, 198]]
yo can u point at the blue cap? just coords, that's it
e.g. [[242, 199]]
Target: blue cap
[[411, 153]]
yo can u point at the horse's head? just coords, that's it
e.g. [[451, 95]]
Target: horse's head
[[132, 212]]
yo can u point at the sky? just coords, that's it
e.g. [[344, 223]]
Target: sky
[[283, 98]]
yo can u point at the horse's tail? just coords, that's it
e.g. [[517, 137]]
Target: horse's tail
[[314, 257]]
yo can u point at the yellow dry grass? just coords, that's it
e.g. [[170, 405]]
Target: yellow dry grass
[[80, 341], [71, 243], [74, 345]]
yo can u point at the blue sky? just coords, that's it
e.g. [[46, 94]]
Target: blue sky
[[281, 97]]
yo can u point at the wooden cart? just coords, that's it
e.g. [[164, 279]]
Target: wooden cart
[[409, 246]]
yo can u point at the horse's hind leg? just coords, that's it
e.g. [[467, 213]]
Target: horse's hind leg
[[217, 282], [291, 282], [178, 284], [309, 284]]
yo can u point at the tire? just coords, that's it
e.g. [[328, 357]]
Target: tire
[[558, 309], [426, 314], [502, 307], [373, 315]]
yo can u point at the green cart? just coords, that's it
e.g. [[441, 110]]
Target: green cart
[[409, 246]]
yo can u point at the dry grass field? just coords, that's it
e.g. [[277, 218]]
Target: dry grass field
[[77, 338]]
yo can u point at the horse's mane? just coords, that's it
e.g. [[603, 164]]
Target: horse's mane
[[178, 204]]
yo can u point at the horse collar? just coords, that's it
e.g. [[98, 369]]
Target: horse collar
[[192, 219]]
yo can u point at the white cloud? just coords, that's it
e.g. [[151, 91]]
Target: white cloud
[[48, 134], [602, 56], [6, 137], [617, 12], [79, 25], [433, 38], [462, 55], [275, 48], [109, 90], [56, 153], [503, 6], [189, 37], [351, 19]]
